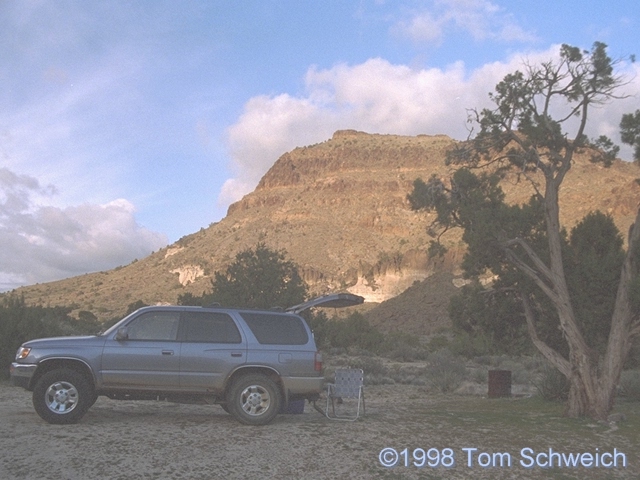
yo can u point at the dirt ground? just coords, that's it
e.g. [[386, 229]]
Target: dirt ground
[[126, 439]]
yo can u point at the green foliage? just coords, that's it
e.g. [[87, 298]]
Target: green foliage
[[355, 334], [132, 307], [19, 323], [524, 246], [551, 384], [630, 132], [495, 315], [352, 332], [189, 298], [593, 263], [318, 323], [630, 384], [445, 371], [593, 258], [258, 278]]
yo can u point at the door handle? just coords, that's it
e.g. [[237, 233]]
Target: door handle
[[236, 354], [167, 352]]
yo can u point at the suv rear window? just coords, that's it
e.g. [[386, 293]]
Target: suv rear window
[[276, 329]]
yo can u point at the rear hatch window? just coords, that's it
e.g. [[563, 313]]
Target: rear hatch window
[[276, 329]]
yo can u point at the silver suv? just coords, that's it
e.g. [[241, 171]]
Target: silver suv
[[251, 362]]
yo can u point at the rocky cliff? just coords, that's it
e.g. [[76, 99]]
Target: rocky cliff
[[339, 209]]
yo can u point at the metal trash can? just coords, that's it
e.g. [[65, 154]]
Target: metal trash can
[[499, 383]]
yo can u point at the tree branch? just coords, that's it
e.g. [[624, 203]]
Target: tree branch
[[549, 353]]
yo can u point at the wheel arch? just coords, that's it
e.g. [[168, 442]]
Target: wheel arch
[[269, 372], [74, 364]]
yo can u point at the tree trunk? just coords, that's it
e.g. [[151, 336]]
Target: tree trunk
[[589, 396], [592, 386], [593, 394]]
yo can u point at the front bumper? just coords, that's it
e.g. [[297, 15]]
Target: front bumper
[[20, 374]]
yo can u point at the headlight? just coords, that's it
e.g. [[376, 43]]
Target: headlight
[[23, 352]]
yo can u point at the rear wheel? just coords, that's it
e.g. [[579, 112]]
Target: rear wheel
[[254, 399], [62, 396]]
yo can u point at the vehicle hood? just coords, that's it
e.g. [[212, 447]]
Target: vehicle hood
[[64, 341]]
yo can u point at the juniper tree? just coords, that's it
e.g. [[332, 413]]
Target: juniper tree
[[534, 130]]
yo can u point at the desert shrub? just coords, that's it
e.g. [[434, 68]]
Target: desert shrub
[[486, 360], [20, 322], [408, 374], [551, 384], [470, 346], [630, 384], [633, 359], [438, 342], [352, 332], [534, 363], [375, 371], [445, 371], [404, 347], [479, 375]]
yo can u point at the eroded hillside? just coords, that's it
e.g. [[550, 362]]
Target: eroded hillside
[[339, 209]]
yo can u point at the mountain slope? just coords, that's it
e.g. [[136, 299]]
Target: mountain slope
[[339, 209]]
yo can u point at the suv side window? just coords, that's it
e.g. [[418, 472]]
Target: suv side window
[[209, 327], [276, 329], [155, 326]]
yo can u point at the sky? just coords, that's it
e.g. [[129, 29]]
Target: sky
[[125, 126]]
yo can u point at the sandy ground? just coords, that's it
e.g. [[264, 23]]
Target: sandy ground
[[125, 440]]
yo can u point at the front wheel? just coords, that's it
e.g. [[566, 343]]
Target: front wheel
[[254, 399], [62, 396]]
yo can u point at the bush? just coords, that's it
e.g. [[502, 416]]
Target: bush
[[630, 384], [438, 342], [404, 347], [19, 323], [470, 346], [353, 332], [445, 371], [551, 384]]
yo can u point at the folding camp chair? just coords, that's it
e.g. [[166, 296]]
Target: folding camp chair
[[348, 385]]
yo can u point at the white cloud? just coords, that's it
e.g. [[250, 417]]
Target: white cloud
[[269, 127], [423, 27], [375, 96], [42, 243], [481, 19], [378, 97]]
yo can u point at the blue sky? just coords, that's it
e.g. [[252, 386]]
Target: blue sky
[[127, 125]]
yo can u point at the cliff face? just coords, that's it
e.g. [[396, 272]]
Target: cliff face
[[339, 209]]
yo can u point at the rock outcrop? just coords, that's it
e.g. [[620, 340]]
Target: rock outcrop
[[339, 209]]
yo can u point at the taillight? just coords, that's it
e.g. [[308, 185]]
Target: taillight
[[317, 362]]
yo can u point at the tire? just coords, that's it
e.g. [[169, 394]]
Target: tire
[[63, 396], [93, 399], [254, 399]]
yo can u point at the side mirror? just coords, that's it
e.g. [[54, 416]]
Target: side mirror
[[122, 334]]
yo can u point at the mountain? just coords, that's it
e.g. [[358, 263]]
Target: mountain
[[339, 209]]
